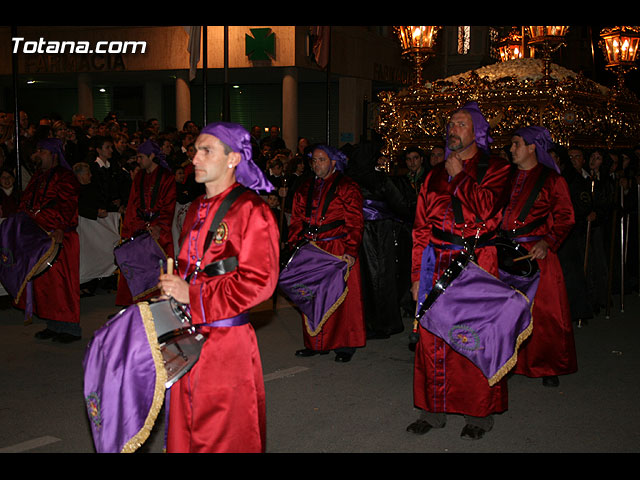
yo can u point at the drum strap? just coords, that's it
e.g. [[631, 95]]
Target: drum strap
[[51, 202], [154, 192], [331, 193], [523, 230], [228, 264], [534, 193], [483, 165]]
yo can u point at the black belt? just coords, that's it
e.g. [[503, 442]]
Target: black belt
[[216, 268], [462, 241], [517, 232], [314, 230]]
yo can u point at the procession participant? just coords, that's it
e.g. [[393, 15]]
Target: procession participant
[[219, 405], [327, 209], [461, 199], [541, 227], [151, 206], [51, 200], [385, 213]]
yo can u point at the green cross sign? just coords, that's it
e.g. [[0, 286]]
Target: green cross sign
[[260, 46]]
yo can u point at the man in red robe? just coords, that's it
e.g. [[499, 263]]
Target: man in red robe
[[460, 200], [327, 209], [150, 208], [219, 405], [541, 228], [51, 200]]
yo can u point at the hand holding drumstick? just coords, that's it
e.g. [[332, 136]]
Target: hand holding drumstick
[[173, 285]]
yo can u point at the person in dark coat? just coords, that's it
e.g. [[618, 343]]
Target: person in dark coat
[[385, 210], [571, 252]]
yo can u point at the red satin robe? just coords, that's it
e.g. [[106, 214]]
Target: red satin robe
[[219, 405], [550, 350], [51, 199], [346, 327], [165, 207], [444, 380]]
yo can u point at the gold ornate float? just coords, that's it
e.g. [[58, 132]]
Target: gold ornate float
[[576, 110]]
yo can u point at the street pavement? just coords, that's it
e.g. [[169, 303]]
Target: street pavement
[[316, 405]]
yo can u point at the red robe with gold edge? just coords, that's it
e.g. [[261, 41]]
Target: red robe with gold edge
[[346, 327], [550, 350], [219, 405], [51, 200], [165, 208], [444, 380]]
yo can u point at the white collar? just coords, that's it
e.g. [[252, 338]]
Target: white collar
[[102, 163]]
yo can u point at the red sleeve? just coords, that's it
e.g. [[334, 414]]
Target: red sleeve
[[421, 230], [562, 213], [351, 197], [298, 212]]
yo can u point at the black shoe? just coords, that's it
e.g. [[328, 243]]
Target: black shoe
[[419, 427], [472, 432], [307, 352], [65, 337], [553, 381], [343, 357], [45, 334]]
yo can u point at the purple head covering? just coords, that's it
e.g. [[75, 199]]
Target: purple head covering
[[150, 147], [54, 145], [239, 140], [480, 127], [334, 154], [540, 137]]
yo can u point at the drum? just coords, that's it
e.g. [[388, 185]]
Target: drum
[[139, 258], [515, 270], [510, 258], [479, 316], [316, 282], [128, 369], [180, 342], [26, 251]]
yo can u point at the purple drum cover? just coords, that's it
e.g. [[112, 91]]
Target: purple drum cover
[[124, 380], [24, 250], [139, 261], [482, 318], [316, 282]]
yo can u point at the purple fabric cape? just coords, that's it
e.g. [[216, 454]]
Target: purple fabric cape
[[124, 380], [239, 140], [481, 317], [24, 247], [139, 261], [316, 282]]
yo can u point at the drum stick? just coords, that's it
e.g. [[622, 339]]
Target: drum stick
[[522, 258], [170, 266]]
